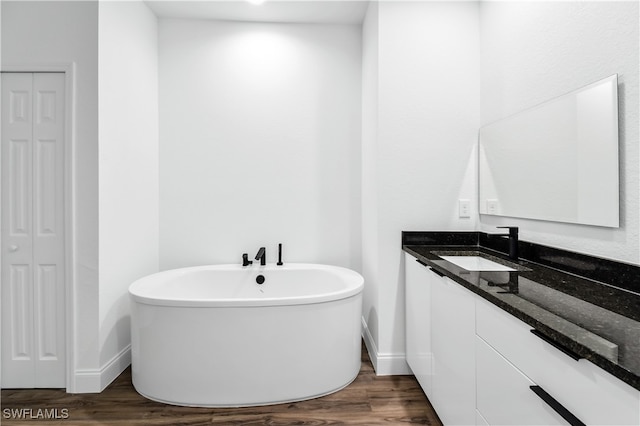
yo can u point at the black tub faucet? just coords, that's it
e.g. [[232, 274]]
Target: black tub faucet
[[245, 260], [261, 256], [279, 255], [513, 241]]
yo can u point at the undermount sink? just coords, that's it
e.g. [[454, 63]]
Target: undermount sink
[[476, 263]]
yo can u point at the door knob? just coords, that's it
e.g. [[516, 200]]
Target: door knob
[[13, 248]]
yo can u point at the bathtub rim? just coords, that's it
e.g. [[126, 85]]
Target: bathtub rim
[[354, 285]]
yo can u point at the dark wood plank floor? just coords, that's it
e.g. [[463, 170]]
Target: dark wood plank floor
[[369, 400]]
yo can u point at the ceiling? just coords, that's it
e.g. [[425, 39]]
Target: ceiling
[[289, 11]]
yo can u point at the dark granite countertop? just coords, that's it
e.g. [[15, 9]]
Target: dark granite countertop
[[595, 320]]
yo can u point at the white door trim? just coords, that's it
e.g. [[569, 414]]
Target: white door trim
[[69, 69]]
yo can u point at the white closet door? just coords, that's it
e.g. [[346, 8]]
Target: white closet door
[[33, 289]]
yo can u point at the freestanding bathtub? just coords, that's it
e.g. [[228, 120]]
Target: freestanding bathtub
[[211, 336]]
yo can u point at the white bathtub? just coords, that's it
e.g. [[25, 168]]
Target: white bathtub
[[211, 336]]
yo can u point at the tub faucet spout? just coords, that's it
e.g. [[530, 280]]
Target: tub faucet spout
[[261, 256]]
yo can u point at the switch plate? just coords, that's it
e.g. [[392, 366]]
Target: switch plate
[[464, 208]]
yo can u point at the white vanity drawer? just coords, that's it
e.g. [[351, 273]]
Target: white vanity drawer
[[586, 390], [504, 395]]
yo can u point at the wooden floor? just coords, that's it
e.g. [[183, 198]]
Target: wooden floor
[[369, 400]]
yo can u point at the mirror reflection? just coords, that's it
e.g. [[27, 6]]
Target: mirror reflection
[[557, 161]]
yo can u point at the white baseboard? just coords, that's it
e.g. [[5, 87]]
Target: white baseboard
[[84, 381], [113, 368], [370, 344], [96, 380], [385, 364]]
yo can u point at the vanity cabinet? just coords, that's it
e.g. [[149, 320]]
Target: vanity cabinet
[[440, 332], [477, 363], [591, 394]]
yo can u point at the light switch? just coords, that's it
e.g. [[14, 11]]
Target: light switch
[[464, 208]]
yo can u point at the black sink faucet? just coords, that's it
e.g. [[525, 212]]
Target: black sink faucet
[[513, 241], [261, 256]]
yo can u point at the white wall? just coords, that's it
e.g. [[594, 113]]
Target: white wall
[[36, 35], [259, 142], [370, 252], [419, 155], [536, 51], [128, 152]]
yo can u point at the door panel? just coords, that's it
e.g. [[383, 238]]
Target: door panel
[[418, 321], [22, 315], [33, 288]]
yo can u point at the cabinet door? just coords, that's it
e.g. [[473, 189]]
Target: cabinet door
[[418, 321], [504, 393], [453, 347]]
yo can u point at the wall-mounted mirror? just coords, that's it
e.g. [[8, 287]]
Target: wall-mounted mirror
[[557, 161]]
